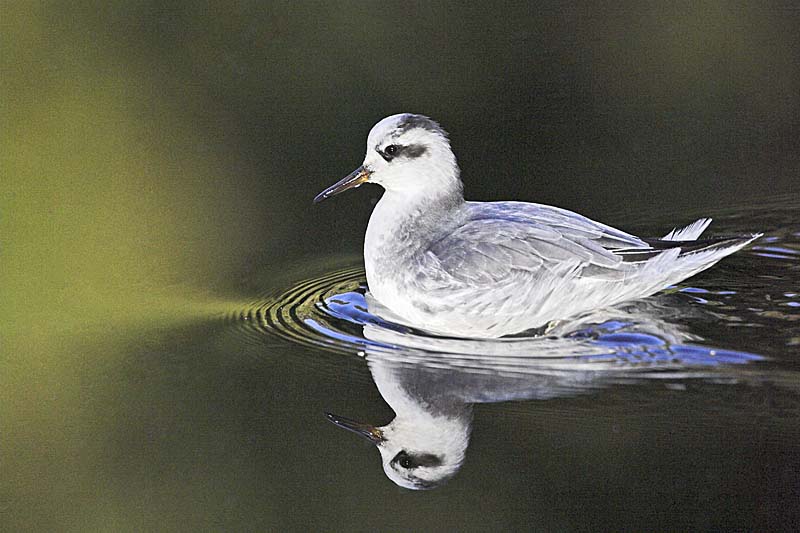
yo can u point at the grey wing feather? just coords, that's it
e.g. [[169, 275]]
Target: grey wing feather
[[504, 239], [566, 222]]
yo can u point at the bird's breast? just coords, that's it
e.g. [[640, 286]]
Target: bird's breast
[[389, 254], [394, 247]]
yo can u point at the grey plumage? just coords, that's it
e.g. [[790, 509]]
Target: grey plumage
[[477, 269]]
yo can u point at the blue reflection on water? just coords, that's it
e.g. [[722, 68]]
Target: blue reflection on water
[[619, 340]]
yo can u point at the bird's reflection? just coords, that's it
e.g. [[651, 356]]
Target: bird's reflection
[[431, 383]]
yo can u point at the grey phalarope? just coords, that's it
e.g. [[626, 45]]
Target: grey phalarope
[[489, 269]]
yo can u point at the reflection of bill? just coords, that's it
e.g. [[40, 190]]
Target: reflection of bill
[[431, 383]]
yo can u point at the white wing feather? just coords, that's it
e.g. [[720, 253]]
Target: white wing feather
[[691, 232]]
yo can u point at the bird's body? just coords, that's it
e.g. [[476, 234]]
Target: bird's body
[[474, 269]]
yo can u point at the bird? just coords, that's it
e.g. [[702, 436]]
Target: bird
[[458, 268]]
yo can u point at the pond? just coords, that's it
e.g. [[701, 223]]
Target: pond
[[681, 410], [188, 344]]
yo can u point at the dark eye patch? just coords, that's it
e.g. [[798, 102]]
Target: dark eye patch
[[393, 151], [408, 460]]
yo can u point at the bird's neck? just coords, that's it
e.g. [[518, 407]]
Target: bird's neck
[[402, 227], [419, 403], [407, 218]]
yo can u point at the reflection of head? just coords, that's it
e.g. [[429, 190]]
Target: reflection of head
[[423, 454], [424, 446]]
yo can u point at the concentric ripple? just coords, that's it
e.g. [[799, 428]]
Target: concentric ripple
[[298, 314]]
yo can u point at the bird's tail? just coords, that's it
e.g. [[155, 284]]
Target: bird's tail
[[681, 259], [688, 240], [683, 242], [691, 232], [680, 254]]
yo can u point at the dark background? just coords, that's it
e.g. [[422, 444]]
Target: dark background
[[225, 119]]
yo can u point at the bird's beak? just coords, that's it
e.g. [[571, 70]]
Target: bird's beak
[[371, 433], [356, 178]]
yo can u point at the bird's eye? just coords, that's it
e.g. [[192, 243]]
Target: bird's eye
[[391, 149], [404, 460]]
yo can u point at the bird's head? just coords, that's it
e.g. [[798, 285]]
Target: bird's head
[[406, 153]]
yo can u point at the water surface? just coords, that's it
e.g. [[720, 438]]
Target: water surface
[[681, 411]]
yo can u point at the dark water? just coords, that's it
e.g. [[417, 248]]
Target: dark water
[[681, 411], [176, 318]]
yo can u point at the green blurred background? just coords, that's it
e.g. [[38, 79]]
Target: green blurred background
[[154, 155]]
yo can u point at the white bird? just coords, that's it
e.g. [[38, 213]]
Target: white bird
[[490, 269]]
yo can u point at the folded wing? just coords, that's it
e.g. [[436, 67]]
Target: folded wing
[[505, 240]]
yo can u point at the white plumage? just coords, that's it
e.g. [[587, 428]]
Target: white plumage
[[473, 269]]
